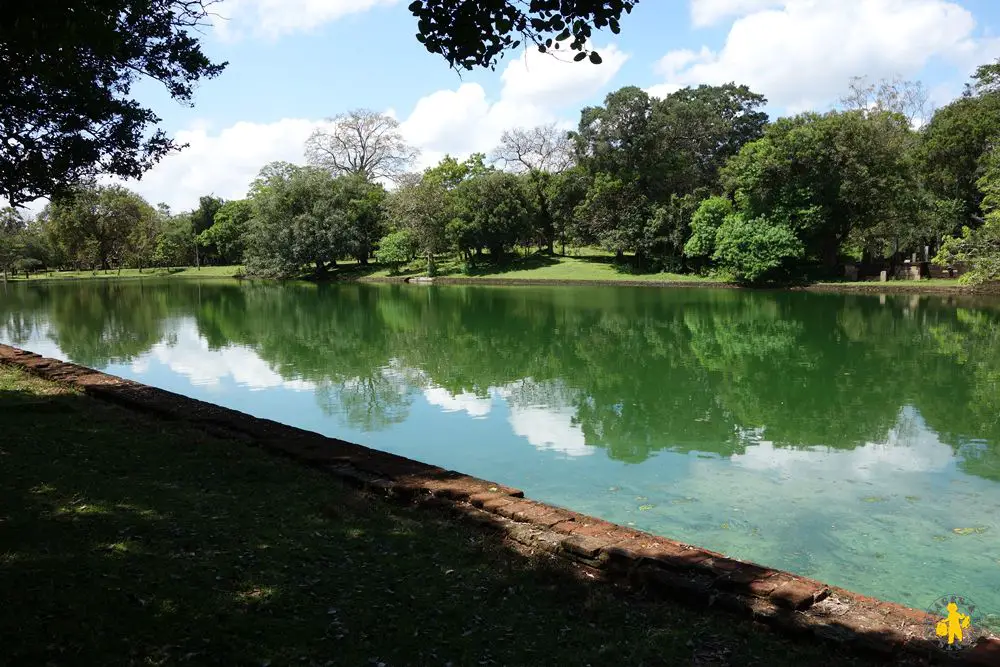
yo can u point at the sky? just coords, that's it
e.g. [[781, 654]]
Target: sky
[[294, 63]]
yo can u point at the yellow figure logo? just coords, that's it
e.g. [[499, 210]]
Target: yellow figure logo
[[952, 626]]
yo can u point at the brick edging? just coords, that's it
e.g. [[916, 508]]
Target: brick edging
[[671, 568]]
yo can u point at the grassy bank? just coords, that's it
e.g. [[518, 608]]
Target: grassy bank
[[171, 272], [127, 540]]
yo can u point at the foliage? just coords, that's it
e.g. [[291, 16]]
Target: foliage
[[296, 221], [227, 230], [475, 34], [363, 143], [202, 219], [65, 88], [494, 212], [175, 245], [102, 226], [979, 247], [754, 250], [614, 214], [705, 224], [396, 249], [956, 139], [544, 148], [12, 228]]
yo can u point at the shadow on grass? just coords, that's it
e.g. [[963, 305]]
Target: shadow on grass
[[126, 540]]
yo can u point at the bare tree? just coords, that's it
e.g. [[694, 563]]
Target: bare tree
[[896, 95], [362, 142], [545, 148]]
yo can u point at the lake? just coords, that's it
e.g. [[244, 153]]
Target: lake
[[850, 438]]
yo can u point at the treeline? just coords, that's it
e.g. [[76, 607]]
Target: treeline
[[698, 181]]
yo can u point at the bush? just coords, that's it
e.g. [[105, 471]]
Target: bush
[[754, 250], [705, 224], [396, 249]]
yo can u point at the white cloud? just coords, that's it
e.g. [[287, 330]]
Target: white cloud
[[550, 428], [188, 354], [474, 406], [274, 18], [223, 162], [709, 12], [536, 89], [910, 446], [801, 54]]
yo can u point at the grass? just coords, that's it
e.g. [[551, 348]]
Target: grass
[[125, 540], [585, 265], [171, 272]]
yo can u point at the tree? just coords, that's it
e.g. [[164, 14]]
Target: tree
[[705, 224], [226, 232], [12, 228], [176, 245], [956, 139], [544, 148], [564, 192], [420, 205], [299, 219], [362, 205], [614, 214], [698, 129], [754, 250], [494, 212], [831, 179], [202, 219], [396, 249], [361, 142], [895, 95], [475, 34], [65, 88], [93, 224], [979, 247]]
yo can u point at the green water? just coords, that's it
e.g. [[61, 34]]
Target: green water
[[855, 439]]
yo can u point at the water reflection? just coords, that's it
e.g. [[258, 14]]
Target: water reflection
[[632, 372], [843, 437]]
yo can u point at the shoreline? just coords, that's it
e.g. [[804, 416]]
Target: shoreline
[[790, 603], [866, 287], [873, 287]]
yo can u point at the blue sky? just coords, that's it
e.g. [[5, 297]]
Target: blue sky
[[295, 62]]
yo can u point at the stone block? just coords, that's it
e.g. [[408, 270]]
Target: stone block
[[798, 594]]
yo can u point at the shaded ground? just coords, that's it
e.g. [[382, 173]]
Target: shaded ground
[[126, 540]]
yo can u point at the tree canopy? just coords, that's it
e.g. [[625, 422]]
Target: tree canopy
[[68, 68], [475, 34]]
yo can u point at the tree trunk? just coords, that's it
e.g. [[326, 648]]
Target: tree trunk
[[431, 268]]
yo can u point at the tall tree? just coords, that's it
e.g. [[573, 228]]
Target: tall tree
[[894, 95], [538, 153], [956, 139], [226, 232], [12, 227], [476, 33], [66, 110], [361, 142], [202, 219], [93, 224], [543, 148], [297, 222]]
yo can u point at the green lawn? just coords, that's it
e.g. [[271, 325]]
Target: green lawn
[[130, 541], [173, 272], [585, 266]]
